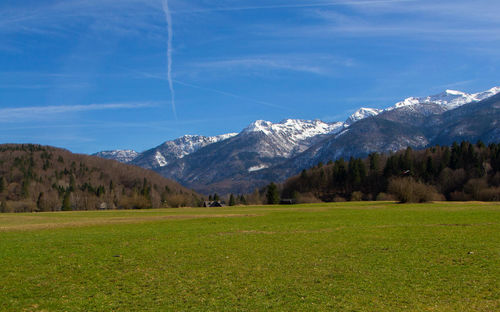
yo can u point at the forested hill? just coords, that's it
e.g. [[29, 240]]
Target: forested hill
[[461, 172], [43, 178]]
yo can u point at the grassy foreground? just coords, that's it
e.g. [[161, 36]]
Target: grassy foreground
[[319, 257]]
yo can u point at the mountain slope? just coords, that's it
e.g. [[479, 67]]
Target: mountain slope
[[170, 151], [44, 178], [123, 156], [266, 151], [390, 132], [261, 145]]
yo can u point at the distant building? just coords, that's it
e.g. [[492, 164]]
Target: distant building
[[103, 206], [214, 204]]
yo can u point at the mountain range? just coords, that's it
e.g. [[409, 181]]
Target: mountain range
[[266, 151]]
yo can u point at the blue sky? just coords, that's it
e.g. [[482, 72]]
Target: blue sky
[[91, 75]]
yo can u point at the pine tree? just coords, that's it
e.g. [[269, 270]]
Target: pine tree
[[39, 202], [2, 184], [25, 189], [232, 201], [216, 197], [66, 205], [72, 183], [374, 161], [272, 195], [243, 200]]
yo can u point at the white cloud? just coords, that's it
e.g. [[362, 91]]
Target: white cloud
[[310, 63], [18, 114]]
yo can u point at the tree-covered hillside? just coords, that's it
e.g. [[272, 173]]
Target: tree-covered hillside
[[461, 172], [42, 178]]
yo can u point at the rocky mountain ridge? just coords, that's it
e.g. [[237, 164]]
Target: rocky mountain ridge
[[266, 151]]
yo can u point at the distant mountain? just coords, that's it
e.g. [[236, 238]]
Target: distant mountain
[[170, 151], [449, 99], [123, 156], [261, 145], [417, 126], [266, 151], [362, 113]]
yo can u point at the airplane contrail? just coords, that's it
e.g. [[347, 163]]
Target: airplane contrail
[[231, 95], [293, 6], [168, 18]]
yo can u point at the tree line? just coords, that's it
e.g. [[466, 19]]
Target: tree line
[[463, 171]]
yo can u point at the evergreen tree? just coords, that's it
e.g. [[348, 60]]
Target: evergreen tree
[[2, 184], [243, 200], [272, 195], [66, 204], [374, 159], [339, 173], [216, 197], [3, 207], [429, 168], [40, 201], [232, 201], [25, 189], [72, 183]]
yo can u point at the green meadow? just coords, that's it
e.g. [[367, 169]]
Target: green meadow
[[367, 256]]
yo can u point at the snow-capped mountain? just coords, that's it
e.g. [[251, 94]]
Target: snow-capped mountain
[[261, 145], [265, 151], [362, 113], [291, 136], [123, 156], [169, 151], [397, 129], [448, 99]]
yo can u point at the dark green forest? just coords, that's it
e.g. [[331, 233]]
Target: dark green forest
[[43, 178], [462, 172]]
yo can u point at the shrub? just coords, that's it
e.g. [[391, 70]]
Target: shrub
[[307, 198], [489, 194], [407, 190], [357, 196], [384, 197], [338, 199]]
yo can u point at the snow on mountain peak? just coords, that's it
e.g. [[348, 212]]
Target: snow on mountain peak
[[362, 113], [289, 136], [448, 99], [123, 156], [189, 143], [295, 129]]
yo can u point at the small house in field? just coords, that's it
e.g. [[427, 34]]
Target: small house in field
[[103, 206], [215, 203]]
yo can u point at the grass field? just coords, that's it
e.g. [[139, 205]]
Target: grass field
[[319, 257]]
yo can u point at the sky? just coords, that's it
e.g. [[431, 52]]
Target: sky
[[92, 75]]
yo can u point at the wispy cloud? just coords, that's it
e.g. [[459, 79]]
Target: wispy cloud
[[289, 6], [460, 21], [311, 63], [56, 18], [19, 114]]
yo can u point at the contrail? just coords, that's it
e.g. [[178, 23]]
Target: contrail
[[232, 95], [168, 18], [293, 6]]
